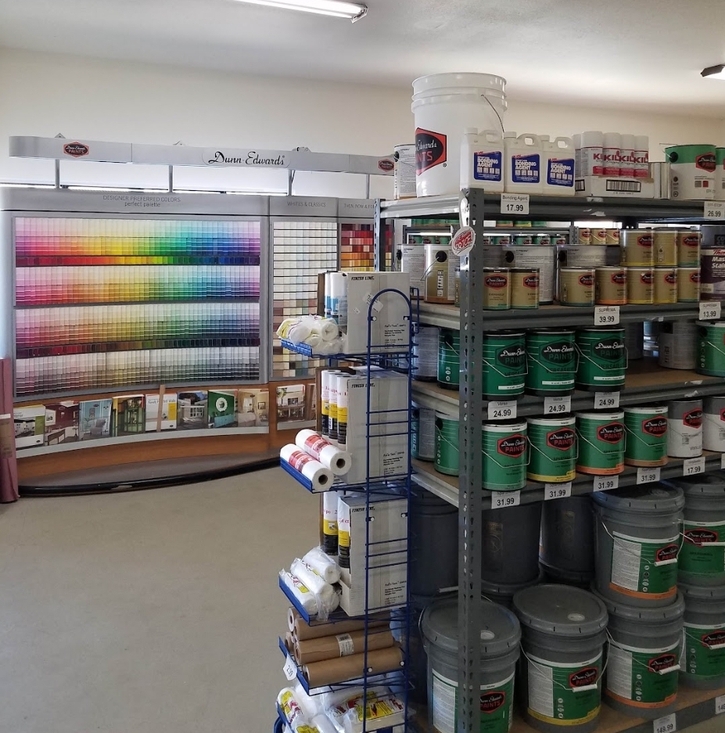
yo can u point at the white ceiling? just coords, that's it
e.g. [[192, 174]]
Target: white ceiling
[[632, 53]]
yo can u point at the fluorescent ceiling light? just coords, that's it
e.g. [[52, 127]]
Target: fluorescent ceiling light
[[333, 8], [714, 72]]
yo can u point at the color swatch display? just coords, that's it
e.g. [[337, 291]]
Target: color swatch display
[[357, 247], [104, 303], [302, 249]]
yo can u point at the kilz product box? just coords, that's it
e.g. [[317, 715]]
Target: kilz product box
[[603, 187]]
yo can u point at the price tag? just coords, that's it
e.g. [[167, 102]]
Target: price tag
[[710, 311], [713, 209], [514, 203], [668, 724], [648, 475], [503, 499], [557, 491], [720, 705], [606, 315], [290, 668], [693, 466], [606, 400], [557, 405], [501, 409], [463, 241], [606, 483]]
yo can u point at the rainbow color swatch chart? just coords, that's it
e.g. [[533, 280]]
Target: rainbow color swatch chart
[[105, 303]]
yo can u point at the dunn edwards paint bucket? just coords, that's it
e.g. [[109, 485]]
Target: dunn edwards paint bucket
[[576, 286], [610, 286], [688, 248], [665, 247], [688, 284], [684, 428], [602, 359], [504, 364], [713, 427], [524, 287], [711, 349], [422, 433], [703, 658], [637, 534], [702, 555], [601, 442], [541, 258], [553, 449], [500, 640], [637, 248], [640, 285], [692, 171], [563, 634], [551, 362], [665, 285], [504, 456], [646, 429], [496, 289], [449, 349], [643, 658], [446, 444]]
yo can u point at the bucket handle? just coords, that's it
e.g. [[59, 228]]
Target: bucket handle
[[555, 371], [537, 667], [495, 111], [500, 465], [685, 538], [600, 366], [556, 460], [593, 445], [714, 346], [661, 672], [697, 639], [628, 551], [629, 432], [682, 435], [448, 442], [498, 371]]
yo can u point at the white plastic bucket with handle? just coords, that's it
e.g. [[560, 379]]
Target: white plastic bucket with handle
[[445, 105]]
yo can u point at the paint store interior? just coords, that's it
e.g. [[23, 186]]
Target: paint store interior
[[362, 366]]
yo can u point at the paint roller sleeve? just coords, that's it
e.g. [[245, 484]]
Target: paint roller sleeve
[[319, 476], [322, 450]]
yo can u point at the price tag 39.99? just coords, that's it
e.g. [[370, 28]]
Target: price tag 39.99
[[710, 310], [504, 499], [693, 466], [606, 483], [667, 724], [515, 203], [606, 315], [501, 409], [606, 400], [557, 491], [648, 475], [557, 405]]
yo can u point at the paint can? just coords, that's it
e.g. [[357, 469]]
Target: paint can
[[637, 535], [610, 286], [496, 289], [711, 349], [423, 433], [692, 171], [677, 344], [577, 255], [504, 364], [504, 593], [702, 555], [602, 359], [523, 240], [646, 429], [637, 247], [640, 286], [404, 171], [542, 259], [684, 428], [576, 286], [599, 236], [425, 353], [500, 638], [712, 263], [563, 634], [688, 284], [703, 664], [505, 456], [584, 235], [612, 236], [543, 240], [567, 540], [665, 285], [688, 248], [643, 658], [524, 287], [665, 247], [551, 362], [411, 259], [449, 349], [713, 426], [634, 340], [446, 444], [601, 442], [440, 273], [553, 447]]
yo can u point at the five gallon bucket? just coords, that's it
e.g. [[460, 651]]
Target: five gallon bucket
[[446, 444], [553, 449], [643, 658], [449, 349], [602, 359], [601, 442], [703, 658], [504, 593], [505, 453], [711, 349], [563, 633], [551, 362], [500, 640], [504, 364], [646, 429], [637, 543], [567, 540]]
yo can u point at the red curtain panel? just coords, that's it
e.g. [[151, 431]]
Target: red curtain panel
[[8, 461]]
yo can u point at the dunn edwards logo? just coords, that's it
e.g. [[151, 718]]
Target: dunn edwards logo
[[76, 150], [246, 158]]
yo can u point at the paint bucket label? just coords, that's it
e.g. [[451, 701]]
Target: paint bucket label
[[526, 168], [640, 286], [646, 437], [602, 358], [611, 286], [638, 677], [496, 705], [665, 285], [496, 289], [431, 149], [700, 554], [440, 273], [504, 360], [576, 286], [712, 275], [425, 353], [449, 346], [711, 350], [713, 430], [446, 444], [692, 171], [541, 258], [637, 248], [551, 361], [704, 653], [404, 171], [688, 249], [665, 248], [553, 446], [644, 568], [684, 436], [688, 284], [524, 288], [601, 443], [553, 695], [504, 457]]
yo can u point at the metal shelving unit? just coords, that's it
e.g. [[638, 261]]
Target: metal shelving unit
[[471, 319]]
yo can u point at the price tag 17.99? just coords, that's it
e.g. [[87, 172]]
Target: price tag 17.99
[[606, 315], [504, 499], [648, 475], [606, 400], [515, 203], [605, 483], [557, 405], [557, 491], [710, 310], [501, 409], [667, 724], [693, 466]]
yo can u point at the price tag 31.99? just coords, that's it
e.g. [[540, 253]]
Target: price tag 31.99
[[557, 405], [606, 483], [515, 203], [693, 466], [504, 499], [648, 475], [606, 315], [557, 491], [501, 409], [606, 400], [710, 310], [667, 724]]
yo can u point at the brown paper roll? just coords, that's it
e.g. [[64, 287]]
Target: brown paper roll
[[303, 631], [329, 647], [289, 642], [348, 668]]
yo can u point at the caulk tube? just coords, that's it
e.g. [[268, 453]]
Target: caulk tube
[[325, 379], [329, 538], [305, 597], [333, 406], [319, 476], [342, 417], [325, 595], [323, 451]]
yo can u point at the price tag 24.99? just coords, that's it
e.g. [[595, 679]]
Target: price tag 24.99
[[606, 400], [504, 499], [557, 491], [606, 315], [606, 483], [710, 310], [557, 405], [648, 475], [667, 724], [515, 203], [501, 409]]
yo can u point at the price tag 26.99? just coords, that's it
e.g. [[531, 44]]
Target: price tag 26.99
[[501, 409], [557, 405], [714, 210], [648, 475], [606, 400], [667, 724], [504, 499], [557, 491], [710, 310], [606, 315], [515, 203], [606, 483]]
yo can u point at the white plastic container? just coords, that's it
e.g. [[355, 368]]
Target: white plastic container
[[482, 160], [626, 156], [591, 154], [522, 165], [558, 166], [641, 156], [445, 105], [612, 151]]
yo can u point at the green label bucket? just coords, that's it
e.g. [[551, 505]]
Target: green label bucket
[[602, 441], [446, 444], [602, 359], [703, 658], [553, 445], [711, 349], [505, 453], [449, 349], [552, 362], [646, 436], [504, 364]]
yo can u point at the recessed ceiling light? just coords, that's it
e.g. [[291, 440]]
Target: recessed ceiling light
[[714, 72], [333, 8]]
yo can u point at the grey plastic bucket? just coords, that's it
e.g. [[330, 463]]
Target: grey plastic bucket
[[637, 533], [567, 540], [643, 658], [703, 659], [500, 643], [510, 541], [503, 593], [563, 633]]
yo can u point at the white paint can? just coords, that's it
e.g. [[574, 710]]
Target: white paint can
[[411, 259], [684, 428], [692, 171], [404, 171], [713, 426], [541, 258]]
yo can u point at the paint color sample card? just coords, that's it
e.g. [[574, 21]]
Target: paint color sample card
[[357, 247]]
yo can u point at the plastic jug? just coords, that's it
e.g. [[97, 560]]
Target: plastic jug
[[482, 160], [522, 164], [558, 166]]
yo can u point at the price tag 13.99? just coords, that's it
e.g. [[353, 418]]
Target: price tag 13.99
[[557, 491], [606, 483], [648, 475], [502, 409], [720, 705], [515, 203], [504, 499], [693, 466], [606, 315], [667, 724], [606, 400], [557, 405], [710, 310]]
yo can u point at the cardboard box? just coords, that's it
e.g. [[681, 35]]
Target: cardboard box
[[603, 187], [387, 586]]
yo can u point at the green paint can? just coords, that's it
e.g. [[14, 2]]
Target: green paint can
[[553, 444], [551, 362], [449, 362], [446, 444], [504, 456], [703, 663], [504, 364], [602, 359], [646, 429], [601, 442], [711, 349]]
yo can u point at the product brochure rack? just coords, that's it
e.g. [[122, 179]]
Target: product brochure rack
[[390, 553], [474, 208]]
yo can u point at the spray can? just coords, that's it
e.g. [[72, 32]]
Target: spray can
[[641, 156], [482, 160], [626, 157], [591, 154], [612, 154]]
